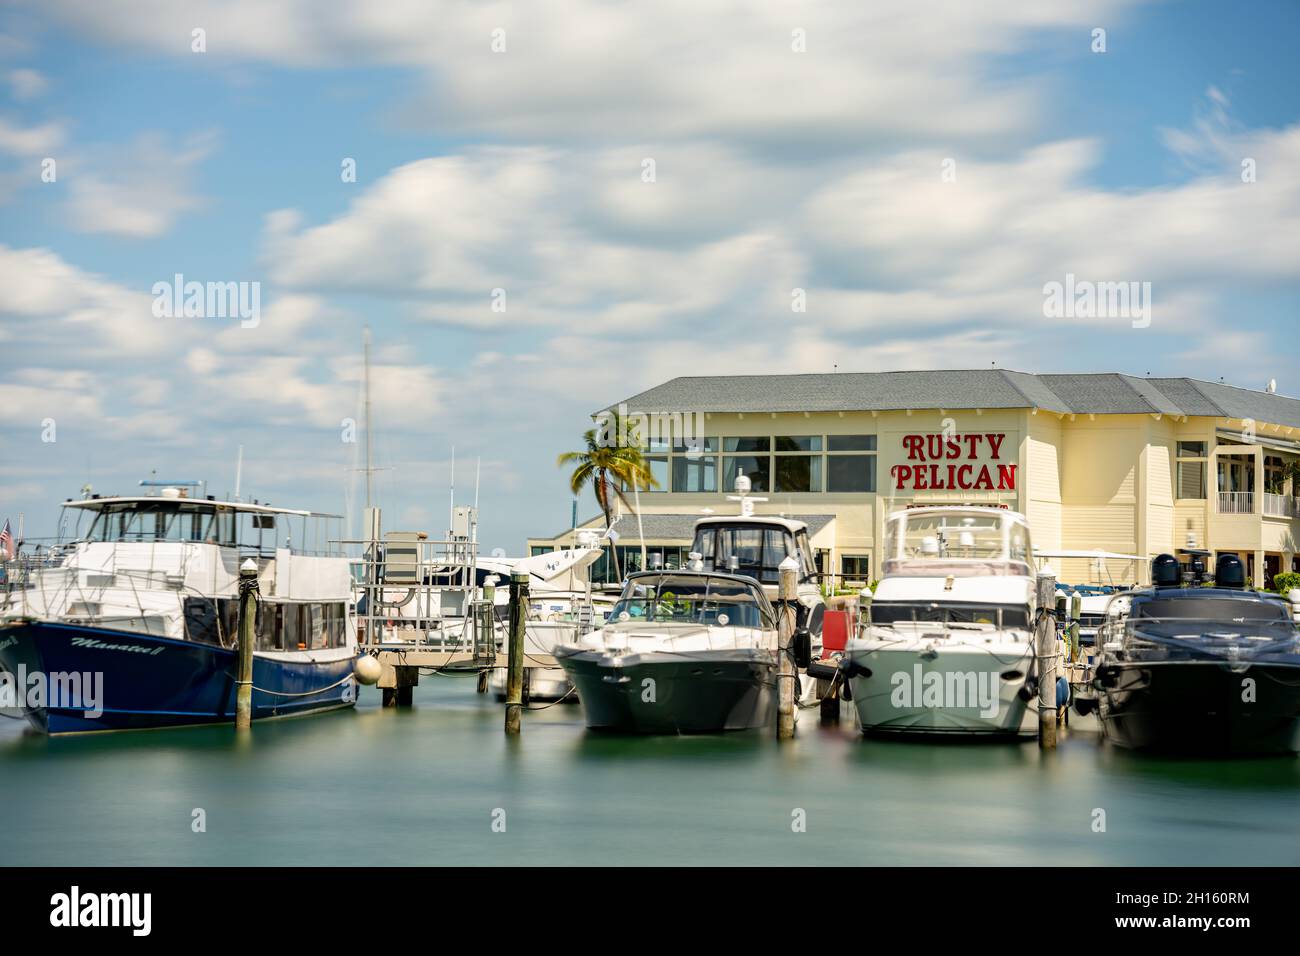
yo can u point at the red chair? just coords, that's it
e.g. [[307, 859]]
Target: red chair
[[835, 631]]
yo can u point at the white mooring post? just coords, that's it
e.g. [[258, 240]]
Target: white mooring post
[[1047, 669], [785, 680]]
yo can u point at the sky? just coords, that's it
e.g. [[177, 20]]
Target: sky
[[557, 205]]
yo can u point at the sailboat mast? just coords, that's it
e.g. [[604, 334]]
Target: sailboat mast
[[366, 401]]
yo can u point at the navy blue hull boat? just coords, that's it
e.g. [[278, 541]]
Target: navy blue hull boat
[[117, 680], [136, 627]]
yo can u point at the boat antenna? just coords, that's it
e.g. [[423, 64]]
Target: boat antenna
[[451, 510], [239, 470], [478, 471]]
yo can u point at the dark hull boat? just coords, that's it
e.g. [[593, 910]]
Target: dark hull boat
[[1201, 670], [727, 690], [120, 680], [1202, 707], [684, 652]]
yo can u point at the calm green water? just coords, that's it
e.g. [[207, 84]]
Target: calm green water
[[420, 787]]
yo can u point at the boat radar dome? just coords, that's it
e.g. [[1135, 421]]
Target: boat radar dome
[[1229, 572], [1165, 571]]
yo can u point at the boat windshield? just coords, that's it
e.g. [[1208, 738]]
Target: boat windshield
[[1224, 609], [995, 615], [758, 550], [956, 542], [161, 521], [693, 600], [1211, 619], [154, 521]]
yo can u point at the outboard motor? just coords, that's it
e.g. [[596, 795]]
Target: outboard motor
[[1165, 571], [1229, 572]]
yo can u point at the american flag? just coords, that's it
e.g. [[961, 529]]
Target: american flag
[[6, 543]]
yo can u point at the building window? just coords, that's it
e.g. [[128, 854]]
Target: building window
[[695, 474], [848, 469], [796, 469], [748, 443], [798, 473], [1191, 469], [658, 465], [756, 467], [1274, 475], [855, 567], [850, 442]]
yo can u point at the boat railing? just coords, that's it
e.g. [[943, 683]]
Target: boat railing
[[1240, 636], [63, 592]]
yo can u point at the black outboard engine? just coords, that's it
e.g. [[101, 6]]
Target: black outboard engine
[[1229, 572], [1165, 571]]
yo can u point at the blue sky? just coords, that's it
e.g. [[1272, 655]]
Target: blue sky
[[522, 170]]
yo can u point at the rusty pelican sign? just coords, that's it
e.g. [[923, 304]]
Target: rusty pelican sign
[[950, 462]]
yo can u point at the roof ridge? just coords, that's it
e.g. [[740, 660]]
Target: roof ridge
[[1241, 388], [1029, 402]]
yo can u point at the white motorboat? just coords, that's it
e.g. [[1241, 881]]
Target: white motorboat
[[684, 652], [145, 601], [947, 644]]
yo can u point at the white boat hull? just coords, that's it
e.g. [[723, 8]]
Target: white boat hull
[[920, 686]]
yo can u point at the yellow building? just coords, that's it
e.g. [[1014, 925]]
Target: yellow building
[[1102, 461]]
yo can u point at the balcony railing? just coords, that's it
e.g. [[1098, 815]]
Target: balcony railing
[[1280, 506], [1236, 502]]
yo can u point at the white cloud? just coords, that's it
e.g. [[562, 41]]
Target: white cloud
[[28, 141], [138, 191], [678, 68], [26, 84]]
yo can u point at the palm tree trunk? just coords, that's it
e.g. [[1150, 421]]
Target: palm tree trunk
[[602, 496]]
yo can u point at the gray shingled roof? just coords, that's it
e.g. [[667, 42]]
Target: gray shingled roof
[[1107, 393], [660, 527]]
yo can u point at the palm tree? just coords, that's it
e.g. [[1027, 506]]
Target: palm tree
[[609, 468]]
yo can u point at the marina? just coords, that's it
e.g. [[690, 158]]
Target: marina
[[440, 438], [434, 773]]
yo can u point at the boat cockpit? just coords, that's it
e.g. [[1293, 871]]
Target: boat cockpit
[[957, 541]]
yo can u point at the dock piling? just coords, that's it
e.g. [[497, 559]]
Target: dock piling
[[786, 676], [515, 663], [247, 635], [1045, 637]]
